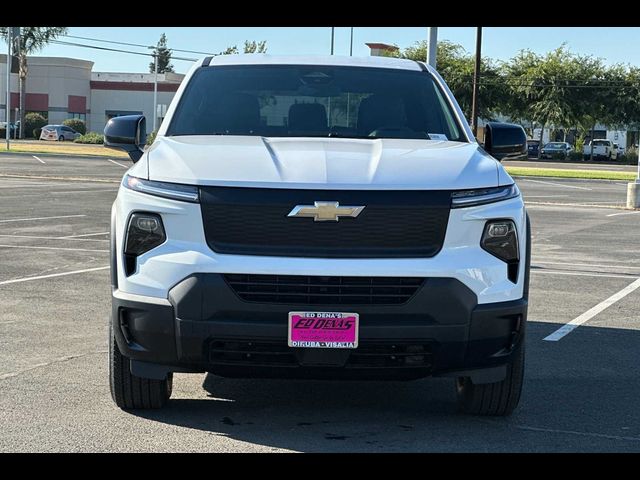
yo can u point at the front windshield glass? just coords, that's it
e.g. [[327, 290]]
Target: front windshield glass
[[314, 101]]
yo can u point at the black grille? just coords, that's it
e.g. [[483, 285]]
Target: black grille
[[320, 290], [278, 354], [253, 221]]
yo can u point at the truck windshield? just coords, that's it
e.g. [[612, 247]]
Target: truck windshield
[[314, 101]]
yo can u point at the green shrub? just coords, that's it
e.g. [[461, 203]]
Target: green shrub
[[77, 124], [151, 137], [3, 133], [91, 137], [630, 155], [33, 121], [558, 156], [36, 133], [575, 155]]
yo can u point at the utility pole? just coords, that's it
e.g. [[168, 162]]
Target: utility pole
[[476, 78], [155, 91], [351, 44], [7, 103], [17, 35], [333, 29], [432, 47]]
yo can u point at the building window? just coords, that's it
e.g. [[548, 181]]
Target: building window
[[79, 116]]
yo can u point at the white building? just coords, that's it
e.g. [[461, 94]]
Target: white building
[[61, 88]]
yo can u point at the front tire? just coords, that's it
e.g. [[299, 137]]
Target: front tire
[[497, 399], [129, 391], [61, 138]]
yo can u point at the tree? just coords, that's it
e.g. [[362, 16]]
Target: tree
[[544, 88], [32, 39], [249, 47], [164, 56], [456, 66]]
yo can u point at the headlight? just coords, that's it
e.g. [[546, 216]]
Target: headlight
[[500, 239], [482, 196], [174, 191], [144, 232]]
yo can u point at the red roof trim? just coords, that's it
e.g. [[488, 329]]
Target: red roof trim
[[133, 86]]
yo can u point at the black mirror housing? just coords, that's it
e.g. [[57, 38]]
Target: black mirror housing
[[128, 133], [505, 140]]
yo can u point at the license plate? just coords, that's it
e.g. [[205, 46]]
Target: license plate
[[323, 330]]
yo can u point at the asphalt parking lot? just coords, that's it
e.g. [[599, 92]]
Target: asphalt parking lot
[[581, 387]]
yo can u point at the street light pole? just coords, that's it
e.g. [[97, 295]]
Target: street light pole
[[155, 91], [333, 29], [351, 44], [7, 103], [476, 78], [432, 47]]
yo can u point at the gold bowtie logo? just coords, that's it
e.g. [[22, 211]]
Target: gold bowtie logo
[[325, 211]]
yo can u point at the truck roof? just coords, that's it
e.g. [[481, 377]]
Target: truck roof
[[330, 60]]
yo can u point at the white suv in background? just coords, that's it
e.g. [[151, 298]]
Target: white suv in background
[[318, 217]]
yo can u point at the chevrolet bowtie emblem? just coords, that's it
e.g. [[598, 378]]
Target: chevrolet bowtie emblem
[[325, 211]]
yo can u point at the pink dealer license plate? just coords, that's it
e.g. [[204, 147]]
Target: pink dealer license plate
[[323, 330]]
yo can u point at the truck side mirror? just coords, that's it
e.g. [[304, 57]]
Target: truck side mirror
[[128, 133], [505, 140]]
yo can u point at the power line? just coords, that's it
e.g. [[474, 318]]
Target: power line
[[136, 45], [95, 47]]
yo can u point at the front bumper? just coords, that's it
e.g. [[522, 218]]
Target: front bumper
[[204, 326]]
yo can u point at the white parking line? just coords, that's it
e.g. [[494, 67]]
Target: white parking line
[[585, 264], [557, 184], [545, 196], [86, 235], [28, 279], [117, 163], [581, 274], [32, 247], [39, 218], [44, 237], [623, 213], [40, 160], [592, 312]]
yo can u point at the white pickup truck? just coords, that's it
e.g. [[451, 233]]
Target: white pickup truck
[[602, 148], [318, 217]]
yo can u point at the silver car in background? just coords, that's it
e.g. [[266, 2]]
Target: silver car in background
[[58, 133]]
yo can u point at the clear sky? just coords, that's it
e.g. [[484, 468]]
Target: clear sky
[[613, 44]]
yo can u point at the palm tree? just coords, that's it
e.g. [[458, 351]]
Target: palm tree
[[32, 40]]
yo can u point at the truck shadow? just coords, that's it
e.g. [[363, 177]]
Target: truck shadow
[[579, 395]]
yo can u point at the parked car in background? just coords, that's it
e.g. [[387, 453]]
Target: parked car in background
[[59, 133], [13, 128], [552, 149], [532, 147], [602, 149], [621, 150]]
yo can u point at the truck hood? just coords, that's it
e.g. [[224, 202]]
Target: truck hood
[[322, 163]]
